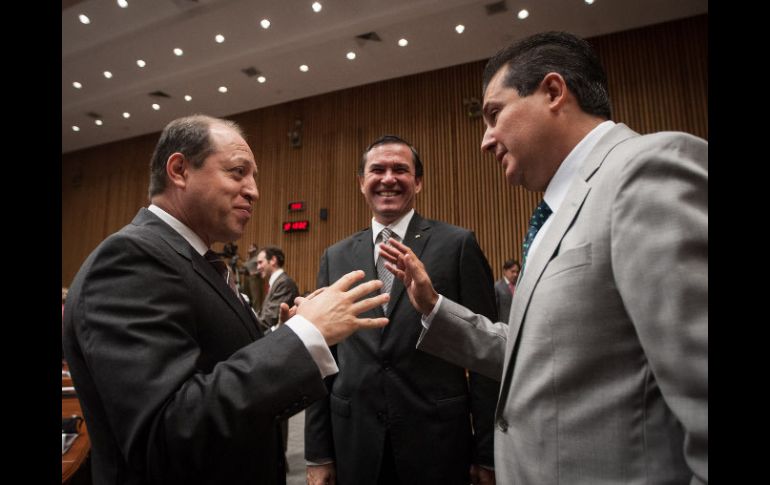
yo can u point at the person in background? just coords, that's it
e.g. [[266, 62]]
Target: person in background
[[505, 287], [604, 362], [255, 285], [176, 381], [283, 289], [395, 414]]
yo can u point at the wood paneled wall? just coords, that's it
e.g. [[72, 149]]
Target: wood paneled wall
[[658, 79]]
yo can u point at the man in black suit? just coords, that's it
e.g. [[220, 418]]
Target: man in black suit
[[396, 415], [283, 289], [176, 382], [505, 287]]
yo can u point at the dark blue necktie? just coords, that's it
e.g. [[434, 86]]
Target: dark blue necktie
[[542, 211]]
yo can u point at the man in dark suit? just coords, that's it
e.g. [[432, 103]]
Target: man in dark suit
[[505, 287], [283, 289], [396, 415], [604, 361], [176, 382]]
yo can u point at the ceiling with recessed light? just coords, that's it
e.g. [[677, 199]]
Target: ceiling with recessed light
[[230, 63]]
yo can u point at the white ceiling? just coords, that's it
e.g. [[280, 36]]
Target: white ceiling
[[151, 29]]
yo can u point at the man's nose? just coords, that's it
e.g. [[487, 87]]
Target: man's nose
[[488, 142]]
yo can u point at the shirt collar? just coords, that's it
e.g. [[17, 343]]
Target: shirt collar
[[195, 241], [274, 276], [568, 170], [399, 226]]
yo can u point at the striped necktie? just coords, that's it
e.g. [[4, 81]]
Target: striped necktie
[[382, 273]]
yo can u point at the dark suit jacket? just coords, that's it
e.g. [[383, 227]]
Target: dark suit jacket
[[503, 297], [175, 382], [284, 290], [384, 383]]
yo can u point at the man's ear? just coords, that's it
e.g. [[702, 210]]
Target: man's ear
[[555, 87], [177, 166]]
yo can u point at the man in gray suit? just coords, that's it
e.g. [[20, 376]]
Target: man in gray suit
[[604, 363], [505, 287], [283, 289], [177, 383]]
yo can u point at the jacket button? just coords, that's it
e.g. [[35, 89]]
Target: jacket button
[[502, 424]]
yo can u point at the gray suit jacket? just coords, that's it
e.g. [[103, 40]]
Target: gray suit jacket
[[176, 382], [385, 385], [604, 363], [503, 297], [283, 290]]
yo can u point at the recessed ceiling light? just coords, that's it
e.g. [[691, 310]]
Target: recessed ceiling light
[[403, 42], [140, 63], [187, 97], [108, 74], [264, 23], [75, 128], [460, 28], [178, 51], [84, 19], [222, 89], [219, 38], [261, 79], [77, 85], [304, 68], [351, 55], [523, 14], [98, 122], [126, 115], [590, 2], [155, 106], [122, 3], [317, 7]]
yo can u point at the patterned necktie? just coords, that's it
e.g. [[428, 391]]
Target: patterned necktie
[[382, 273], [224, 271], [542, 211]]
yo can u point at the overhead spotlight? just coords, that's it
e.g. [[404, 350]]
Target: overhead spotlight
[[403, 42], [222, 89], [590, 2], [98, 122], [523, 14], [187, 97], [155, 106], [178, 51], [317, 7], [304, 68], [219, 38], [108, 74], [460, 28], [77, 85], [140, 63], [75, 128], [261, 79], [122, 3], [126, 115], [264, 23], [351, 55], [84, 19]]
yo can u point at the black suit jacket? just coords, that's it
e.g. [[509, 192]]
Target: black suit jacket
[[283, 290], [384, 383], [175, 381], [503, 296]]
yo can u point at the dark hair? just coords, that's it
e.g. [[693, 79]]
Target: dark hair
[[271, 251], [511, 263], [386, 140], [189, 136], [530, 59]]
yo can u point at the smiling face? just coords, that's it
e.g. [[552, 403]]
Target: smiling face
[[219, 195], [520, 133], [266, 267], [389, 182]]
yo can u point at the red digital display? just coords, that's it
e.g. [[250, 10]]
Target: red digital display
[[296, 226], [296, 206]]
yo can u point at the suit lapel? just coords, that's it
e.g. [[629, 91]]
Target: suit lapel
[[563, 220]]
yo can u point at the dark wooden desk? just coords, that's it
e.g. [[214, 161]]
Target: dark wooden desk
[[78, 452]]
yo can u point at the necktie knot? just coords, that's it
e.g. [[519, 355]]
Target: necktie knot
[[221, 267], [541, 214]]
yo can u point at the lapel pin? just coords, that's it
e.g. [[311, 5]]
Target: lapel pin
[[416, 236]]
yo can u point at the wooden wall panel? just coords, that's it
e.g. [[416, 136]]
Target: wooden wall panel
[[658, 79]]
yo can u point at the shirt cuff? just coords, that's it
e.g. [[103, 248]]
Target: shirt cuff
[[426, 320], [324, 461], [315, 344]]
